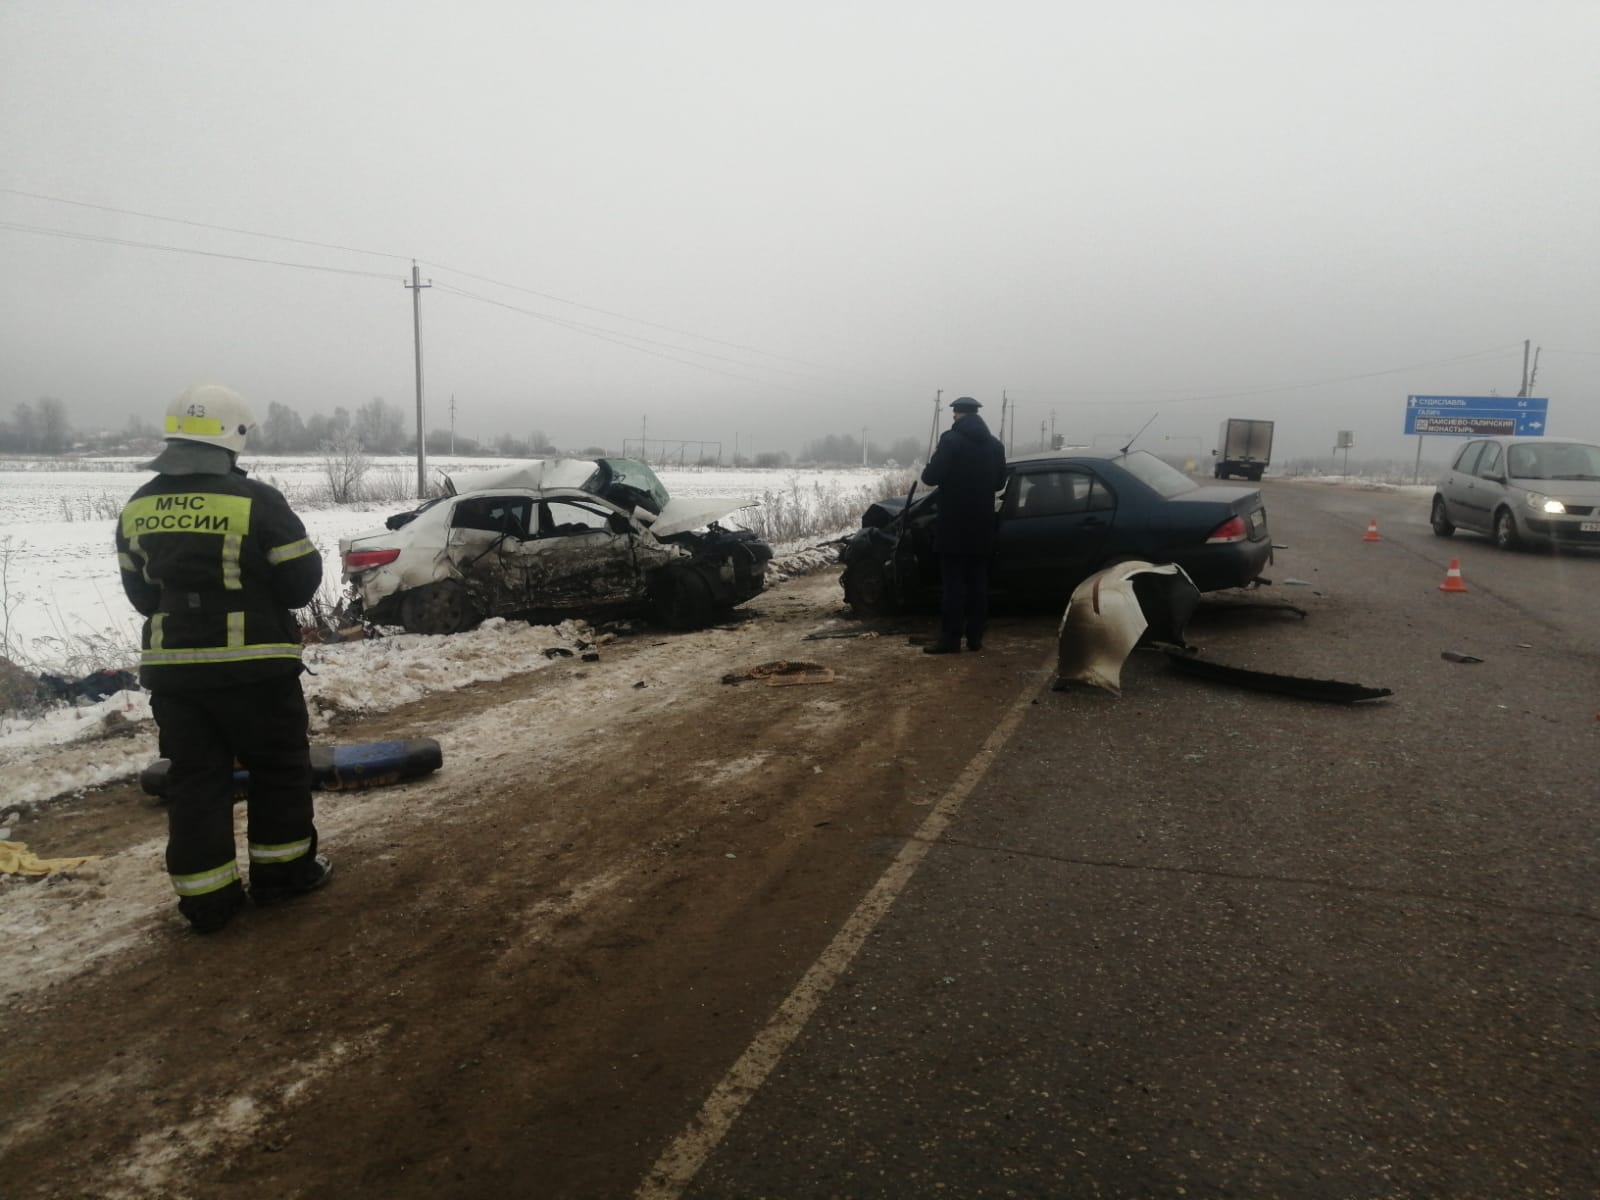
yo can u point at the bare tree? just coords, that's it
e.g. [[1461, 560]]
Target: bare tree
[[55, 431], [382, 428], [345, 464]]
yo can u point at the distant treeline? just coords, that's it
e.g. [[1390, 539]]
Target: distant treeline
[[378, 427]]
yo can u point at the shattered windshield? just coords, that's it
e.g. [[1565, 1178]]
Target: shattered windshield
[[636, 479]]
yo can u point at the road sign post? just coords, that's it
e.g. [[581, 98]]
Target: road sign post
[[1477, 416], [1473, 416]]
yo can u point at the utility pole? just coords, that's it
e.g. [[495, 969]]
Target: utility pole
[[938, 401], [416, 285], [1524, 390], [452, 422], [863, 445], [1005, 405]]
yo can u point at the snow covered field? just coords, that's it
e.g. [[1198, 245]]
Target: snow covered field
[[64, 610], [58, 578]]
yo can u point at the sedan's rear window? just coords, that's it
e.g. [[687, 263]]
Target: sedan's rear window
[[1149, 470]]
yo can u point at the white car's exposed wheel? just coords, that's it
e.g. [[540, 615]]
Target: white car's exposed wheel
[[442, 607], [681, 598]]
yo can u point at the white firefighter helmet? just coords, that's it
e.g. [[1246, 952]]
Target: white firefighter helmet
[[210, 414]]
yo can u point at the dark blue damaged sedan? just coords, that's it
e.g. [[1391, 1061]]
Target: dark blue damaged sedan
[[1059, 519]]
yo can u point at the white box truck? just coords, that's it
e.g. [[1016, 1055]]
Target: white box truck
[[1244, 448]]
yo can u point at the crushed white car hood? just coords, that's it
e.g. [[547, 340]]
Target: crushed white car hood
[[680, 516], [534, 476]]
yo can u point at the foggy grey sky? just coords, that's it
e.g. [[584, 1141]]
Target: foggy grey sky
[[800, 220]]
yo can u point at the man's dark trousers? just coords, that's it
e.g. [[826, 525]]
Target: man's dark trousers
[[964, 598], [262, 725]]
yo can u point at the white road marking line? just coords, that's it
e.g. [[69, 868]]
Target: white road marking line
[[678, 1165]]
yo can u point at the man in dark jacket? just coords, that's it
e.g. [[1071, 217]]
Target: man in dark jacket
[[216, 563], [968, 467]]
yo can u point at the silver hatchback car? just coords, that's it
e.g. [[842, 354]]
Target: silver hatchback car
[[1522, 490]]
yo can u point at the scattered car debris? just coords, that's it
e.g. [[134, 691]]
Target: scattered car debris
[[1142, 603], [854, 631], [1457, 656], [1329, 690], [1212, 608], [96, 685], [17, 859], [589, 656], [336, 768], [783, 673], [557, 652], [1115, 610]]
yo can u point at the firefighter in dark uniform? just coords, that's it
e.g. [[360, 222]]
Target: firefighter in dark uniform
[[216, 562], [968, 467]]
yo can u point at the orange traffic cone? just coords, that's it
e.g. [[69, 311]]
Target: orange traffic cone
[[1372, 531], [1452, 578]]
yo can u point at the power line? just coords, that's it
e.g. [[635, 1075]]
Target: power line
[[617, 339], [115, 241], [128, 212], [381, 254], [1293, 387], [640, 321], [612, 334]]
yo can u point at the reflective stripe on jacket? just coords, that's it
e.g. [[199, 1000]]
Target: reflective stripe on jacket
[[217, 564]]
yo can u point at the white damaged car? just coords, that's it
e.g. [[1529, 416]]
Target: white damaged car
[[551, 539]]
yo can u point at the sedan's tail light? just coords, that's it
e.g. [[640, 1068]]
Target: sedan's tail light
[[1232, 530], [362, 560]]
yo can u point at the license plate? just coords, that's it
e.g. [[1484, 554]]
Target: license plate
[[1590, 527]]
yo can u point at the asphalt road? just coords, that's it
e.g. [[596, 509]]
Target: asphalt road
[[926, 927], [1205, 942]]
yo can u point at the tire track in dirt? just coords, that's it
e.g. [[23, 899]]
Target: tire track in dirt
[[537, 962]]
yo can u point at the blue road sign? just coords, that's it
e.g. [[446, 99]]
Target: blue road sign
[[1477, 416]]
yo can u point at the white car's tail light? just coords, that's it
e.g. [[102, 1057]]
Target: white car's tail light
[[363, 560]]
